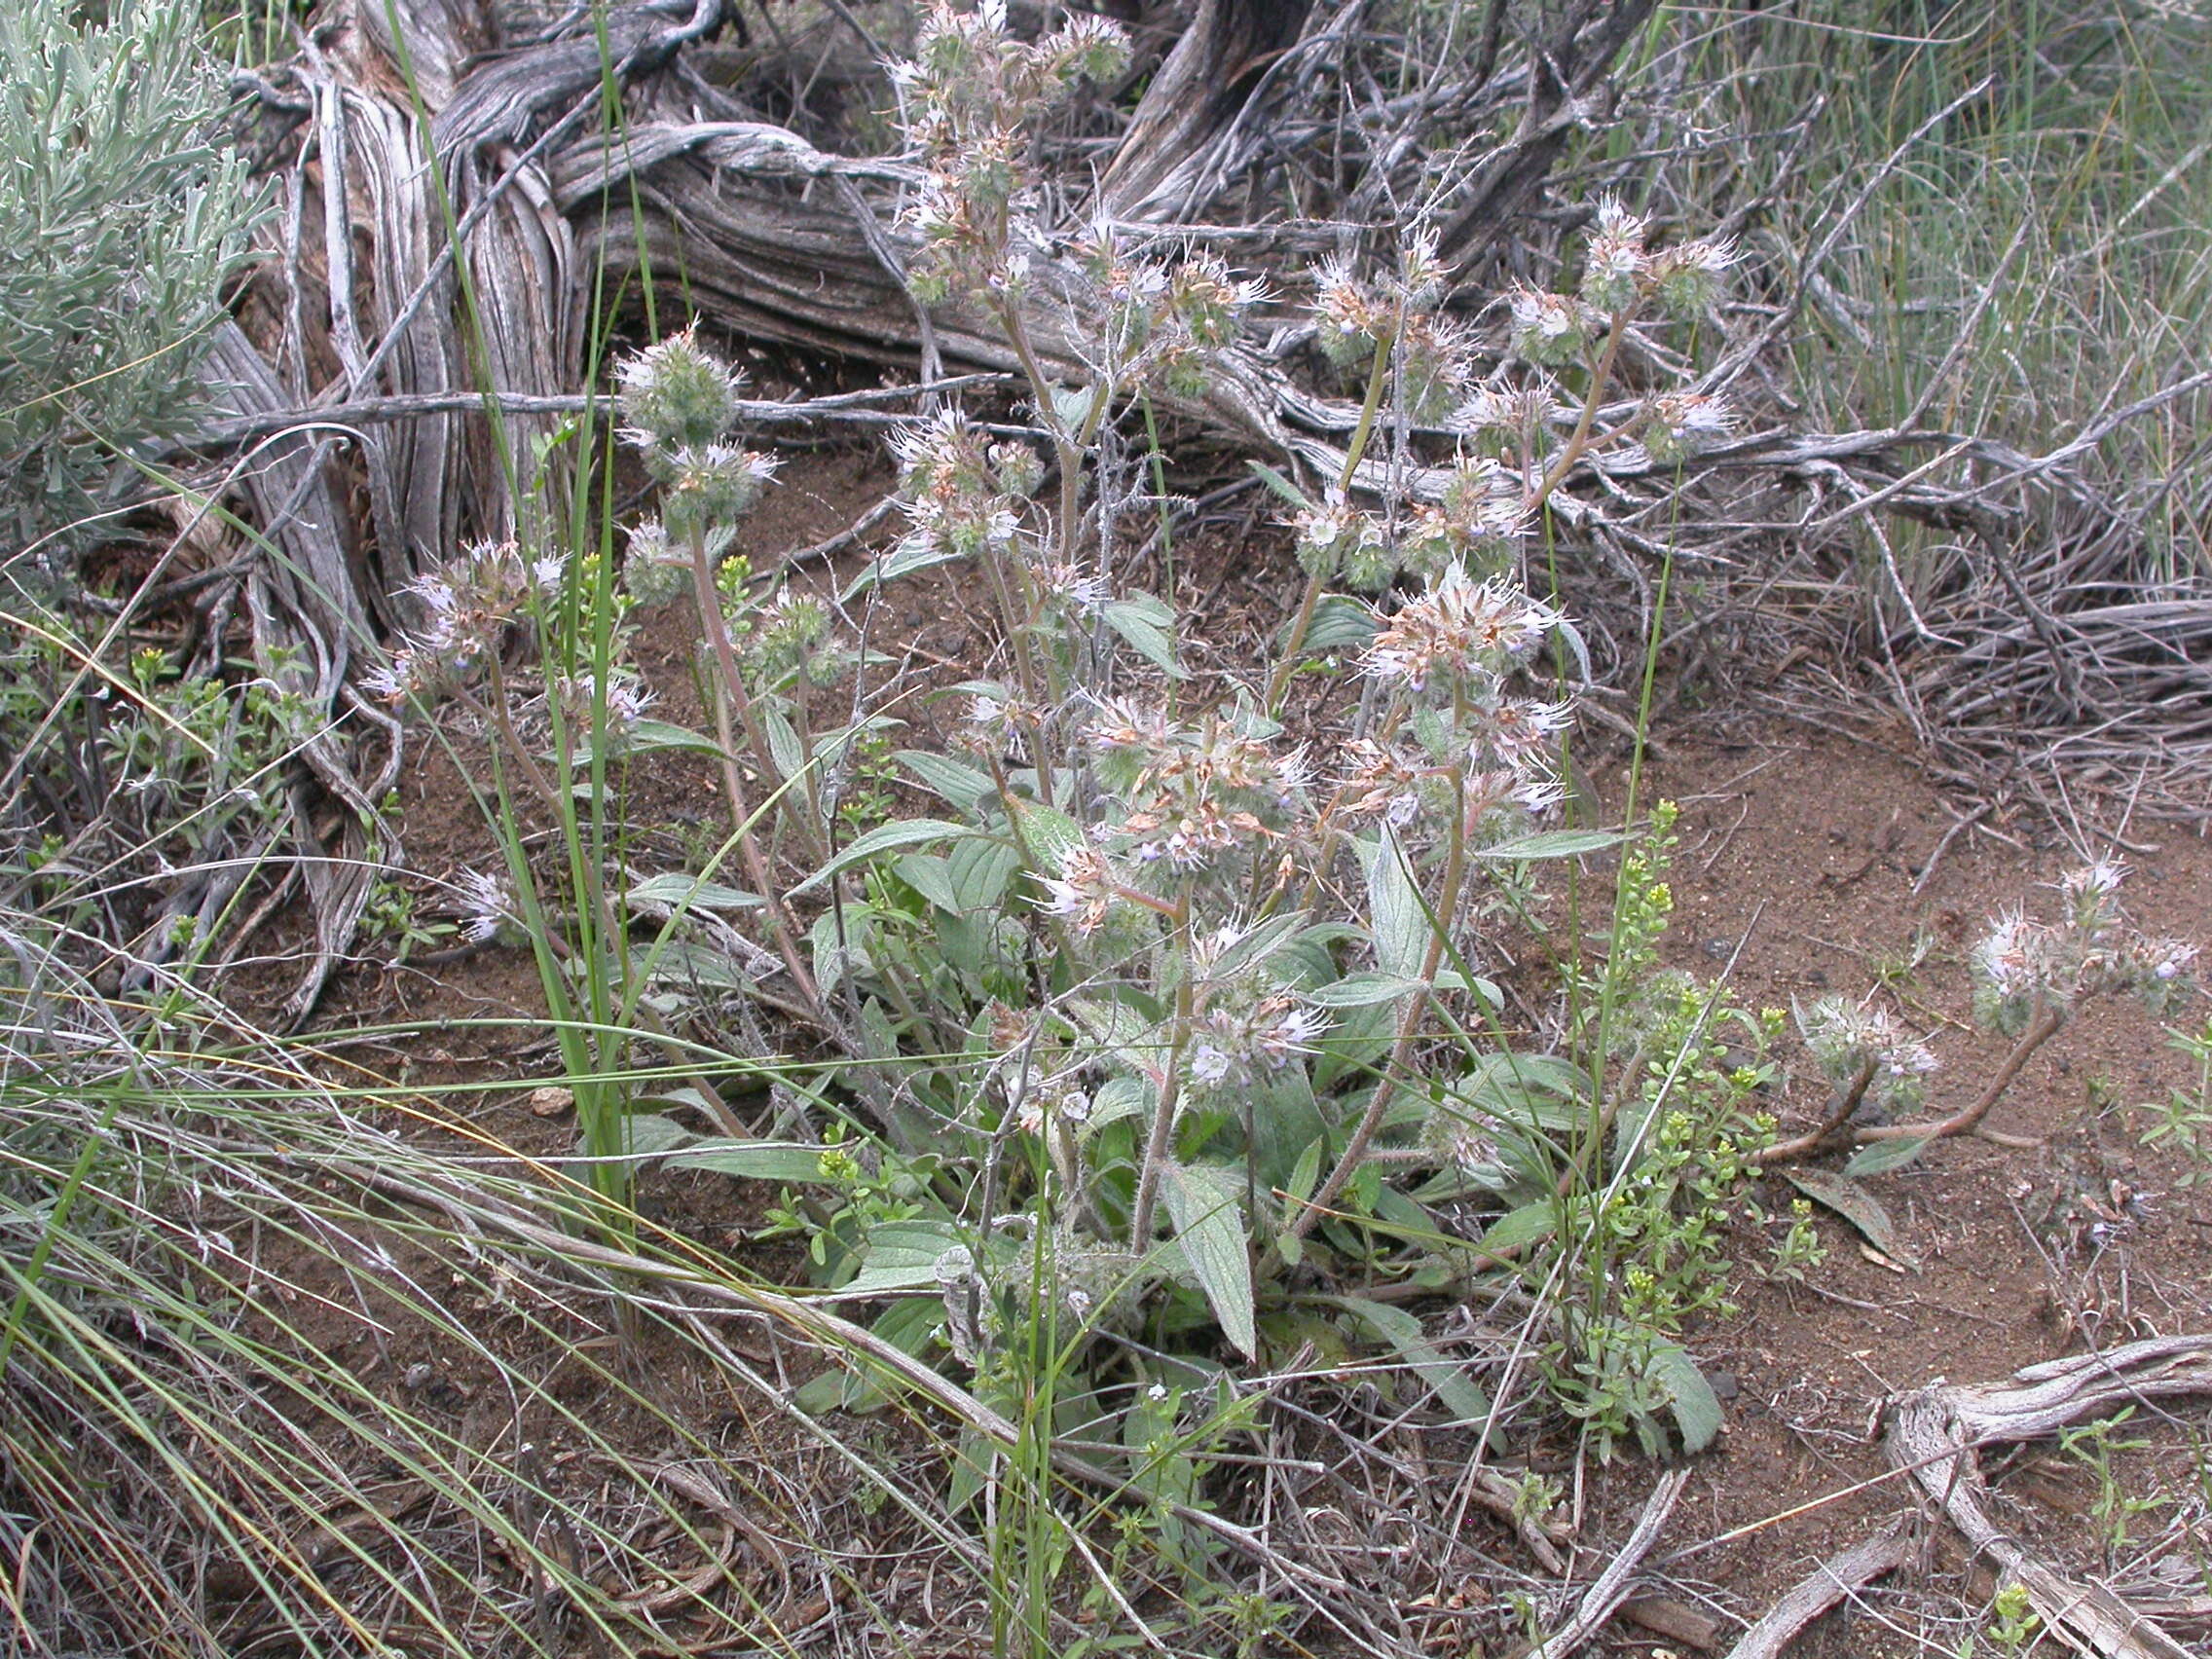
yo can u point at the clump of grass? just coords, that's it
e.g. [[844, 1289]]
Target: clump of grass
[[2033, 262], [289, 1353]]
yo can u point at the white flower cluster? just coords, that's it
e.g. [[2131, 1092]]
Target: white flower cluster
[[1847, 1038], [2022, 967], [470, 609], [965, 97]]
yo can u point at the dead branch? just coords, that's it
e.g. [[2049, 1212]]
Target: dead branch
[[1604, 1597], [1840, 1575], [1935, 1433]]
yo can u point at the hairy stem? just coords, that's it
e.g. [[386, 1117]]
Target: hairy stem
[[1846, 1102], [1579, 444], [2044, 1023], [1162, 1135], [1278, 681], [734, 777], [1409, 1023]]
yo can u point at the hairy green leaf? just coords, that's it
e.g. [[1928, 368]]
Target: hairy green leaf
[[1210, 1225]]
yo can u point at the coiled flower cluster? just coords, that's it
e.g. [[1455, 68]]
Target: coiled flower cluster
[[2022, 966], [679, 404], [473, 607], [1847, 1039], [967, 96]]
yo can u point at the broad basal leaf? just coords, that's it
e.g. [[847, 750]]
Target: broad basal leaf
[[1696, 1407], [884, 839], [1204, 1205]]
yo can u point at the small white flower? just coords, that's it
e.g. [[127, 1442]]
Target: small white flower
[[2170, 959], [392, 682], [1522, 732], [2098, 880], [1292, 1035], [1538, 795], [1082, 891], [1208, 1064], [487, 905]]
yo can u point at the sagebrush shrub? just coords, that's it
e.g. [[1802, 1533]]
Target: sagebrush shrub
[[121, 212]]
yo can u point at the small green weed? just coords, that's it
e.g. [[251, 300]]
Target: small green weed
[[2183, 1122], [2095, 1447], [2011, 1628]]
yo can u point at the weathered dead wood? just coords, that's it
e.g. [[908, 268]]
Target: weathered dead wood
[[872, 406], [1935, 1432], [1568, 89], [306, 622], [1675, 1619], [1604, 1597], [1840, 1575], [761, 262], [1202, 88]]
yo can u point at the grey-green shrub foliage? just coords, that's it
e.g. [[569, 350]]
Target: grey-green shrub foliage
[[122, 210]]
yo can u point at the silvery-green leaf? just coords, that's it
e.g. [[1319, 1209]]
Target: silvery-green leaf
[[1518, 1228], [643, 737], [957, 781], [674, 892], [650, 1132], [1366, 990], [980, 870], [1696, 1407], [1210, 1225], [1549, 844], [1116, 1098], [1857, 1205], [783, 746], [1072, 404], [910, 555], [1048, 831], [1340, 623], [884, 839], [1281, 486], [754, 1160], [1400, 921], [931, 876], [1148, 627], [1879, 1158], [1254, 945]]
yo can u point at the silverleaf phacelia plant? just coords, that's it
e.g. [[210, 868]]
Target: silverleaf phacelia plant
[[1184, 979], [2029, 977], [1143, 1022]]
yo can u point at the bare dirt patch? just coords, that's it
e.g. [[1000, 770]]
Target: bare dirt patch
[[1802, 863]]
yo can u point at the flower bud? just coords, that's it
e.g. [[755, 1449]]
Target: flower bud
[[655, 571], [712, 487], [675, 395], [1549, 330]]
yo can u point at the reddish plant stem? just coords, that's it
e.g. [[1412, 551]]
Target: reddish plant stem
[[733, 777], [2044, 1023], [1846, 1102]]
